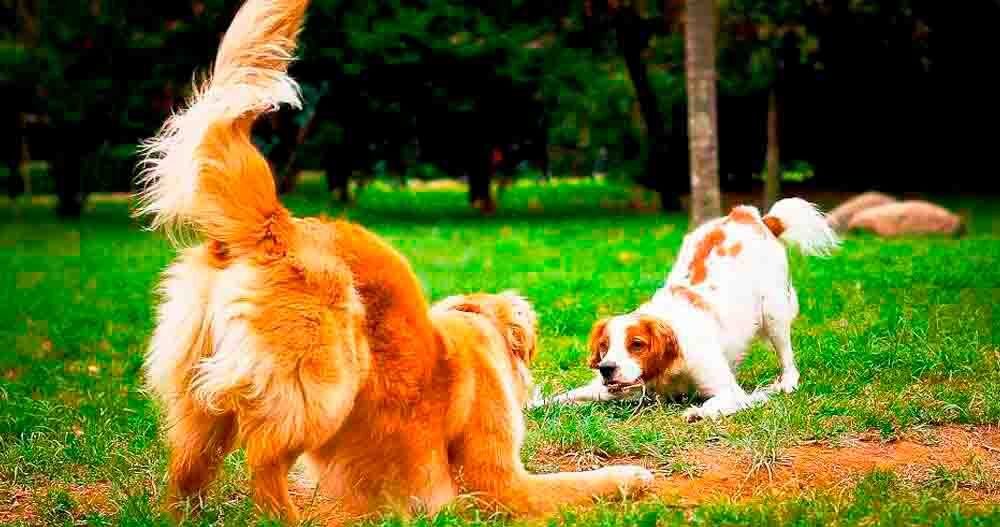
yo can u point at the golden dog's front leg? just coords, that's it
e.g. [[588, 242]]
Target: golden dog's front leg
[[510, 487], [403, 474], [431, 485], [488, 458]]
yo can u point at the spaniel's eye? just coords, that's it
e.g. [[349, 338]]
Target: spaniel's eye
[[603, 346], [636, 344]]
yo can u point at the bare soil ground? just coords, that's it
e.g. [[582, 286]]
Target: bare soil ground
[[31, 504], [724, 473]]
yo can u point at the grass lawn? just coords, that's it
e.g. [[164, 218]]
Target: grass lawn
[[898, 343]]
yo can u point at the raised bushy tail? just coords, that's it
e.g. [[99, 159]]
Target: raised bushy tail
[[202, 172], [797, 222]]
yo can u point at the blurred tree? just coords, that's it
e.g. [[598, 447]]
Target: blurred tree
[[77, 67], [759, 41], [772, 165], [440, 82], [634, 25], [476, 89], [76, 88], [699, 37], [17, 32]]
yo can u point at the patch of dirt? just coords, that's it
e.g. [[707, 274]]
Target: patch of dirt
[[21, 503], [16, 504], [727, 473]]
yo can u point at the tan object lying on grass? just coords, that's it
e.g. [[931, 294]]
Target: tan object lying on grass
[[907, 217], [840, 217]]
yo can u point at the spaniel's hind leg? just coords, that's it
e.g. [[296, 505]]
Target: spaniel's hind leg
[[779, 313]]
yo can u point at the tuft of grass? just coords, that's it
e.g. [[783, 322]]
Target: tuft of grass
[[974, 476], [56, 507]]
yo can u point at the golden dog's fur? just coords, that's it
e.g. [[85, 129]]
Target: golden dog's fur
[[294, 337]]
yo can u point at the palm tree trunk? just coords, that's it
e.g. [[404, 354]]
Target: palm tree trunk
[[699, 44], [772, 174]]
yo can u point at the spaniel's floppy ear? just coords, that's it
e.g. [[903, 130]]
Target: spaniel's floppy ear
[[597, 336], [663, 347]]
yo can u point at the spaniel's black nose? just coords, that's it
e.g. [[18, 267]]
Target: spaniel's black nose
[[608, 370]]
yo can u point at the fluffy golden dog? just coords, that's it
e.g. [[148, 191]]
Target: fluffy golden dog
[[474, 408], [294, 337]]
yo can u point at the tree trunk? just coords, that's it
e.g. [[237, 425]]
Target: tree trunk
[[289, 171], [15, 179], [14, 147], [479, 168], [27, 36], [284, 129], [66, 166], [480, 194], [699, 44], [772, 171], [66, 171], [632, 41], [338, 174], [27, 16]]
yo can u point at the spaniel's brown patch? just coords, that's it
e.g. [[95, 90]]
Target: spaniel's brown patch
[[775, 225], [692, 297], [743, 215], [733, 250], [699, 267]]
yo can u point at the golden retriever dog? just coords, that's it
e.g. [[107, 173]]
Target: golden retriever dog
[[486, 344], [306, 338]]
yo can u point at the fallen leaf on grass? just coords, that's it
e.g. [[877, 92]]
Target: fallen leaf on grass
[[626, 257]]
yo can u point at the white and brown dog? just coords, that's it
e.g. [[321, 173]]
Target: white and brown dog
[[730, 284]]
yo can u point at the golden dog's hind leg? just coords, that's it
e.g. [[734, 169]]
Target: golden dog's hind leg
[[269, 466], [300, 412], [198, 444]]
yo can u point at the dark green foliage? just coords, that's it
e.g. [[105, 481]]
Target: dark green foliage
[[396, 86]]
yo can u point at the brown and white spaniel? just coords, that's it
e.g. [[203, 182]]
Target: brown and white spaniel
[[730, 284]]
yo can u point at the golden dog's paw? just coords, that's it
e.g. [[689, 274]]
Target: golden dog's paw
[[631, 479]]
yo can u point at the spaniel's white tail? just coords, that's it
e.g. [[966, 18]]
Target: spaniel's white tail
[[201, 171], [797, 222]]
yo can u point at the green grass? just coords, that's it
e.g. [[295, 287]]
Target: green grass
[[893, 335]]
